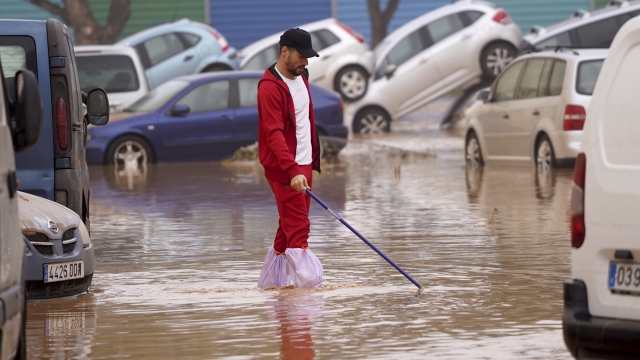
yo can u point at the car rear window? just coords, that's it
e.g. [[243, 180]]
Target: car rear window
[[159, 96], [113, 73], [16, 52], [587, 75]]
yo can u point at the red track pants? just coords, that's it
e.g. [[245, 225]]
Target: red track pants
[[293, 208]]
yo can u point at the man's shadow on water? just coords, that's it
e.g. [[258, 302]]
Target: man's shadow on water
[[297, 314]]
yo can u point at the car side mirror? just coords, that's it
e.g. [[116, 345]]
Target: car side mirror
[[27, 110], [180, 110], [97, 107], [389, 70], [484, 95]]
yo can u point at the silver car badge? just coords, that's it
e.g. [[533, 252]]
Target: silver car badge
[[53, 227]]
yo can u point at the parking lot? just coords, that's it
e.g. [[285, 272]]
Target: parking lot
[[178, 278]]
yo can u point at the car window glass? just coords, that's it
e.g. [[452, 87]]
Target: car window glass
[[557, 78], [113, 73], [402, 51], [506, 84], [327, 37], [530, 78], [316, 41], [190, 39], [13, 58], [162, 47], [587, 75], [248, 92], [543, 85], [558, 40], [159, 96], [469, 17], [207, 97], [598, 34], [263, 59], [16, 52], [445, 27]]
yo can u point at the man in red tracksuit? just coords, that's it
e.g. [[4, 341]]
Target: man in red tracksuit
[[289, 150]]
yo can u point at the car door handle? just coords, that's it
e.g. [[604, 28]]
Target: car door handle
[[466, 36], [423, 60], [505, 116], [226, 117], [188, 57], [536, 112], [325, 57]]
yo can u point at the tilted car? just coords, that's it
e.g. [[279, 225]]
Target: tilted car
[[601, 316], [55, 167], [60, 258], [180, 48], [584, 29], [535, 109], [196, 118], [116, 69], [454, 46], [342, 64]]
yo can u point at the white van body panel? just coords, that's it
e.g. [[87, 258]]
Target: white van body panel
[[611, 143]]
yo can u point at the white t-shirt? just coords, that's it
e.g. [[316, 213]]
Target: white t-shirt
[[300, 97]]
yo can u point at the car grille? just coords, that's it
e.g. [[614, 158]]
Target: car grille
[[42, 290], [45, 246]]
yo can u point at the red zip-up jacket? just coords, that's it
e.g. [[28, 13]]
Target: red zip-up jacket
[[277, 140]]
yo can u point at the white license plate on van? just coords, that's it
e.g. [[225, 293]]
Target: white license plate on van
[[63, 271], [624, 276]]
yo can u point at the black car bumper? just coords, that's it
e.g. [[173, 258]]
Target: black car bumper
[[595, 337]]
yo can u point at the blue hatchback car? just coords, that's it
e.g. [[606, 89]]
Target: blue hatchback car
[[180, 48], [197, 118]]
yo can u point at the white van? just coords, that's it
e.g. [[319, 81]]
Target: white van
[[602, 300], [20, 124]]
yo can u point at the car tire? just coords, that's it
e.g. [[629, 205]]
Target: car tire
[[216, 68], [495, 58], [472, 151], [545, 156], [128, 150], [371, 121], [351, 82]]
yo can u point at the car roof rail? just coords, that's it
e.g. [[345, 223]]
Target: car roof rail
[[618, 3], [581, 13], [537, 29]]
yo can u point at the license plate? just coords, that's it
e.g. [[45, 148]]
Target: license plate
[[63, 271], [624, 276]]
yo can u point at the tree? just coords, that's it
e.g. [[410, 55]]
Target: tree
[[380, 19], [77, 15]]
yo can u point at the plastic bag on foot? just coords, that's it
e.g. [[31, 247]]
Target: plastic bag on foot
[[275, 271], [304, 267]]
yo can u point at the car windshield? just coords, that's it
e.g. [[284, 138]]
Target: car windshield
[[113, 73], [587, 75], [159, 96]]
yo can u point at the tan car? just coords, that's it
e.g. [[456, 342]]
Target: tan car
[[535, 109]]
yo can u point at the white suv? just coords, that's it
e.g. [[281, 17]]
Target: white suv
[[116, 69], [455, 45], [342, 65], [602, 299]]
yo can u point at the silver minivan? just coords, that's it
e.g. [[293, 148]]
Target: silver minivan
[[535, 109]]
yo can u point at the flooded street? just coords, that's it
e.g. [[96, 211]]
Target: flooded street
[[179, 252]]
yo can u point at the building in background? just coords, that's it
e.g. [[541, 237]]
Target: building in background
[[245, 21]]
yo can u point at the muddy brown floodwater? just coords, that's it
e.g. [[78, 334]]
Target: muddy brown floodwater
[[179, 250]]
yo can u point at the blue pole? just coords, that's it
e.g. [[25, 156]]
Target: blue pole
[[420, 288]]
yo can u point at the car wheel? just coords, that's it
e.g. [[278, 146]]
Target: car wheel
[[371, 121], [495, 58], [473, 153], [214, 68], [545, 157], [130, 153], [351, 82]]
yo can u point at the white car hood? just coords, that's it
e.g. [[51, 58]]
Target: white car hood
[[36, 214]]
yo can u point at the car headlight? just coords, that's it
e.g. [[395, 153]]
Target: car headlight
[[84, 233]]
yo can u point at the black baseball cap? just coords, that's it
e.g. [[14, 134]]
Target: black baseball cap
[[300, 40]]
